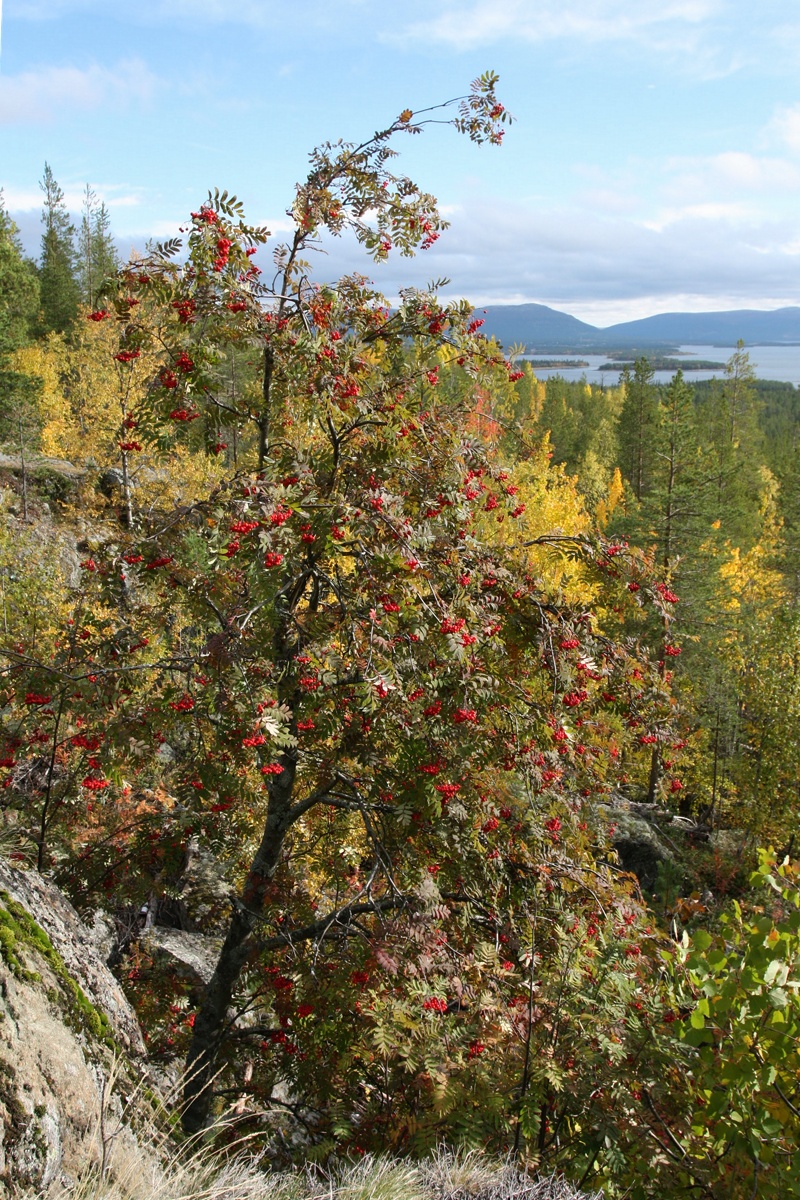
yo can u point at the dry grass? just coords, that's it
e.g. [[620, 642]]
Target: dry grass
[[472, 1175], [131, 1156], [446, 1175]]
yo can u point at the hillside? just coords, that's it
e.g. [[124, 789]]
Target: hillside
[[541, 328], [537, 325]]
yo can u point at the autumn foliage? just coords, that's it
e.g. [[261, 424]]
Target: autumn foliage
[[357, 641]]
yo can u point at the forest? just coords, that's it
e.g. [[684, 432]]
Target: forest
[[456, 710]]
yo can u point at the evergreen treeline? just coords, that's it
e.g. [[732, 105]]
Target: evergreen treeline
[[73, 263], [705, 478]]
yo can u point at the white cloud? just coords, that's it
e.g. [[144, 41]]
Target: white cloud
[[481, 23], [49, 92], [19, 200], [714, 210], [681, 29], [498, 252], [485, 22], [749, 171], [785, 126], [601, 267], [735, 169], [114, 196]]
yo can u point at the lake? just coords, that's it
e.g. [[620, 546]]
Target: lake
[[769, 362]]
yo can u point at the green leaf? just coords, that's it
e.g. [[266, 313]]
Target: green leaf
[[697, 1036], [777, 972], [701, 939]]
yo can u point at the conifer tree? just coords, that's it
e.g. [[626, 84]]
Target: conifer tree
[[675, 501], [19, 304], [19, 287], [673, 515], [730, 417], [97, 255], [59, 286], [671, 519], [638, 422], [582, 423]]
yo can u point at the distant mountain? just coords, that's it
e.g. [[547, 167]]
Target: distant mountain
[[538, 327], [723, 328], [534, 325]]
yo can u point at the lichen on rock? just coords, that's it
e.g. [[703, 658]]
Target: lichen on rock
[[64, 1021]]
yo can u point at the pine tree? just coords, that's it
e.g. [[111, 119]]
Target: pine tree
[[672, 517], [675, 501], [673, 514], [59, 287], [19, 305], [637, 428], [97, 254], [735, 442], [19, 287]]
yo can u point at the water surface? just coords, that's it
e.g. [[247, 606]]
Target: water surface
[[769, 362]]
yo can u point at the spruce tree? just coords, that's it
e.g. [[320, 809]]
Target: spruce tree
[[19, 305], [59, 286], [637, 428], [97, 254], [730, 421], [19, 287]]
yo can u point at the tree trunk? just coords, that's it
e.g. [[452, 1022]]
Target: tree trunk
[[127, 497], [24, 473], [263, 423], [212, 1019]]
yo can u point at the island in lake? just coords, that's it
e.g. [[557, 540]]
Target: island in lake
[[559, 364], [657, 363]]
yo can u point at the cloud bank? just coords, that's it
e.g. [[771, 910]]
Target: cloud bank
[[50, 92], [502, 252]]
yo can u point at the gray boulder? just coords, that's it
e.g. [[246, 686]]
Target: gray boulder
[[194, 954], [646, 837], [65, 1026]]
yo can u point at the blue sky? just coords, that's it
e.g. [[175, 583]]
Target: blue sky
[[654, 164]]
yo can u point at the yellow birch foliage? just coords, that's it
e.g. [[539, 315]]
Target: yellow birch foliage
[[37, 569], [606, 508], [553, 507], [84, 394], [760, 651], [79, 399], [748, 579]]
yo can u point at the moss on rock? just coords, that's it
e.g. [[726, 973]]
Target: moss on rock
[[18, 930]]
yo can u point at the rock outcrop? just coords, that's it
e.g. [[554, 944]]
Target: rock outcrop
[[193, 954], [648, 838], [64, 1023]]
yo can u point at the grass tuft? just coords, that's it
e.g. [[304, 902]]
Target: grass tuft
[[132, 1156]]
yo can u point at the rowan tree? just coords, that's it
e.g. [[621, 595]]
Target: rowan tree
[[342, 670]]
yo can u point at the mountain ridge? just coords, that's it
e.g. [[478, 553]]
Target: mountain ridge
[[541, 328]]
